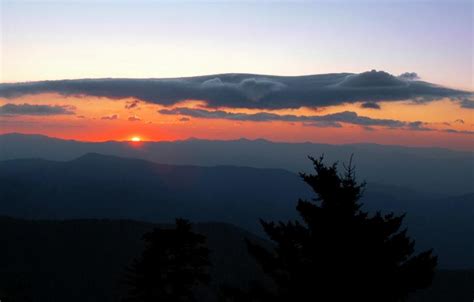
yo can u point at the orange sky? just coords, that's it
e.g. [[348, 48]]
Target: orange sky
[[87, 123]]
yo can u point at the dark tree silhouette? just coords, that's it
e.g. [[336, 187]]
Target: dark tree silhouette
[[14, 288], [173, 263], [338, 252]]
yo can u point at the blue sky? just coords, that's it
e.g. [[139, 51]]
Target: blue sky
[[81, 39]]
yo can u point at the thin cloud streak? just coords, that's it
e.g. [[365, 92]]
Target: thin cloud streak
[[334, 120], [319, 120], [32, 109]]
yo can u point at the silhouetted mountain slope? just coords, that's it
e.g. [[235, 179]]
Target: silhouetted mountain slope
[[105, 186], [448, 286], [98, 186], [442, 223], [84, 260], [432, 170]]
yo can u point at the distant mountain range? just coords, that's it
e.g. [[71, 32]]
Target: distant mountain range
[[435, 171], [100, 186]]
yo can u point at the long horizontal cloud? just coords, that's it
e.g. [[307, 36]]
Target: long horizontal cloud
[[328, 120], [331, 120], [420, 126], [31, 109], [250, 90], [458, 131]]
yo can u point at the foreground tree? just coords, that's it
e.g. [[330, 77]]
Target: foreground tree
[[338, 252], [173, 263]]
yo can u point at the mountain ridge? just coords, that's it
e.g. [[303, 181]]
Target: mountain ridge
[[241, 139], [429, 170], [102, 186]]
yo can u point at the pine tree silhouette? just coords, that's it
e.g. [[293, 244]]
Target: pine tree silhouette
[[173, 263], [339, 252]]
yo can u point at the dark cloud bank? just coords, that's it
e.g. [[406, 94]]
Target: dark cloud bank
[[30, 109], [328, 120], [254, 91]]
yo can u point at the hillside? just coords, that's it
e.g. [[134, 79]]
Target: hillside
[[98, 186], [84, 260]]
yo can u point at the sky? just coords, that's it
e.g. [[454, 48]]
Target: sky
[[382, 60]]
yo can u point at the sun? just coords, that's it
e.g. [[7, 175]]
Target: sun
[[136, 139]]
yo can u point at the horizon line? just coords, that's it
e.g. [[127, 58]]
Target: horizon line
[[192, 138]]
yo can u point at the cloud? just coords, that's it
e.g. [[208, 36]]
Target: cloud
[[29, 109], [418, 125], [370, 105], [184, 119], [460, 121], [409, 76], [421, 126], [458, 131], [131, 104], [134, 118], [467, 103], [353, 118], [329, 120], [253, 88], [334, 120], [110, 117], [250, 90], [323, 124]]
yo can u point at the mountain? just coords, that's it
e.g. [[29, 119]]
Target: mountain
[[443, 223], [85, 260], [99, 186], [431, 170]]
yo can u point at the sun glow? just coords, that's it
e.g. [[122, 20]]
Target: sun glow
[[136, 139]]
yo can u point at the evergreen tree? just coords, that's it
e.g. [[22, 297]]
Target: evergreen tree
[[173, 263], [338, 252]]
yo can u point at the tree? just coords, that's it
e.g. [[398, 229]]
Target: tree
[[338, 252], [173, 262]]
